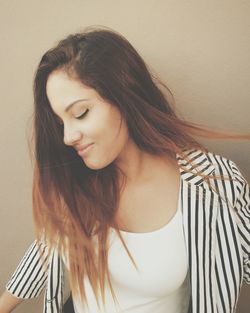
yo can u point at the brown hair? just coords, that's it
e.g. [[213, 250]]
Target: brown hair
[[71, 202]]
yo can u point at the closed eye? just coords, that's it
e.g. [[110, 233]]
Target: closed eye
[[82, 115], [77, 117]]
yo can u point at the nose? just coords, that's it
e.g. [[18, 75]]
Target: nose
[[71, 137]]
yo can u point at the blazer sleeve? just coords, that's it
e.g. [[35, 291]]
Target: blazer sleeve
[[242, 206], [30, 276]]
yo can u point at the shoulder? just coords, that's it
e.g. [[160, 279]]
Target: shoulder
[[220, 162], [227, 167], [221, 166]]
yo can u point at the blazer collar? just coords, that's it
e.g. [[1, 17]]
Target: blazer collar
[[196, 156]]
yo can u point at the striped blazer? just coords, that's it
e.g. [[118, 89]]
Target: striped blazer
[[217, 236]]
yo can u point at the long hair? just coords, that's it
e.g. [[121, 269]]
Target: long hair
[[75, 206]]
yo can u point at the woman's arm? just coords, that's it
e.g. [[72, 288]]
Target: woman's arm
[[30, 276], [8, 302], [38, 270], [28, 280]]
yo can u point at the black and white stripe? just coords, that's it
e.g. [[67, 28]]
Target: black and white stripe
[[217, 234], [30, 277]]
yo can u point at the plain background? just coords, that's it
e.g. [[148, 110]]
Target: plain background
[[200, 49]]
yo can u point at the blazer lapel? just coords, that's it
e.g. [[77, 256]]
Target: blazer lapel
[[199, 207]]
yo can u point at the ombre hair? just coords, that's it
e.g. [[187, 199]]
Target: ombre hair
[[75, 206]]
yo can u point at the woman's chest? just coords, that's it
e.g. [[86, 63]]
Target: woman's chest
[[149, 207]]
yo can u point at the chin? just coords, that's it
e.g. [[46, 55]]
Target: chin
[[95, 165]]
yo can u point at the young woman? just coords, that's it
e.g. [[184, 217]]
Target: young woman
[[141, 216]]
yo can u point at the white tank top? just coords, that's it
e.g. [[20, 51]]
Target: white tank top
[[162, 283]]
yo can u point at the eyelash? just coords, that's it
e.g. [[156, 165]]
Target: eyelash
[[82, 116], [78, 118]]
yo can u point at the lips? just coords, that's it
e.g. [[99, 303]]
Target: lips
[[82, 147]]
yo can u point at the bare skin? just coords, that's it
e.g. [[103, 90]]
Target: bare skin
[[148, 205], [8, 302]]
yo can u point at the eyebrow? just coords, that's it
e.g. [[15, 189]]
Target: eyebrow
[[73, 103]]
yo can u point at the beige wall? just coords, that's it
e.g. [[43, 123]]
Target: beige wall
[[201, 49]]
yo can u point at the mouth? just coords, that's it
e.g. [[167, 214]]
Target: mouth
[[82, 150]]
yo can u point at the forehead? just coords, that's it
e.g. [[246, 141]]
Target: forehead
[[62, 89]]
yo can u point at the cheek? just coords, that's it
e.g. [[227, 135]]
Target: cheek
[[109, 146], [119, 140], [109, 127], [113, 139], [117, 131]]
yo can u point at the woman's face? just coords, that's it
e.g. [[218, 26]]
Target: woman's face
[[87, 119]]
